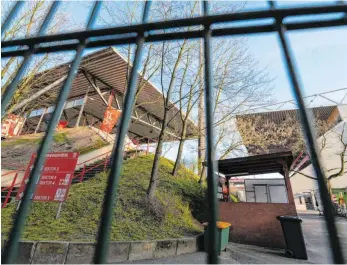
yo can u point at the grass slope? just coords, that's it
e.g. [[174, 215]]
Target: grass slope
[[178, 199]]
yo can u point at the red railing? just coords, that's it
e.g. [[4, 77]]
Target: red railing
[[93, 158], [8, 173], [9, 191], [104, 162]]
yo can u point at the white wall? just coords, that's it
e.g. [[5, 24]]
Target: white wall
[[330, 159]]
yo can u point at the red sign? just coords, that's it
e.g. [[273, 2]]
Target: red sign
[[55, 180], [111, 117]]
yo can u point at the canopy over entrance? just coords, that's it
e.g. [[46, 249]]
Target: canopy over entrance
[[259, 164], [100, 75]]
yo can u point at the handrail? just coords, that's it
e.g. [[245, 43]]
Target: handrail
[[105, 154], [10, 164], [10, 172], [6, 188], [89, 169], [10, 191], [93, 158], [84, 171]]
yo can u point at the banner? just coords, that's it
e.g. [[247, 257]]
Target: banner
[[11, 125], [111, 117]]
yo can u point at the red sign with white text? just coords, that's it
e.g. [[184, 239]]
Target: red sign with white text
[[55, 180]]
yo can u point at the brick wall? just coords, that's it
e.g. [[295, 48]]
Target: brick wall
[[256, 223]]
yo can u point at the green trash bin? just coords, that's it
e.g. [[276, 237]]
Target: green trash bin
[[222, 235]]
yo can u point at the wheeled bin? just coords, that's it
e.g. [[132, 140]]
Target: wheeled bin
[[222, 235], [293, 236]]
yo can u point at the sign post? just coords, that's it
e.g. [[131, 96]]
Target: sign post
[[55, 179]]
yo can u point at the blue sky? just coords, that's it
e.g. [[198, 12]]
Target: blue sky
[[320, 54]]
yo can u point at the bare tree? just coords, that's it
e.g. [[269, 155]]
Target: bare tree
[[262, 136], [129, 14], [186, 105], [175, 56], [30, 18], [238, 85]]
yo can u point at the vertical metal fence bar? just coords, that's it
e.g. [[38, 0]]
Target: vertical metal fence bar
[[26, 60], [10, 16], [10, 252], [117, 156], [310, 139], [210, 154]]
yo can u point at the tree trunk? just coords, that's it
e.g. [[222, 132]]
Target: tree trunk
[[158, 152], [180, 147], [179, 156]]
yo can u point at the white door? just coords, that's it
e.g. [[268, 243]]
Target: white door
[[260, 193]]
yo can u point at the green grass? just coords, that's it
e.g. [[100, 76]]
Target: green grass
[[60, 138], [5, 143], [178, 199]]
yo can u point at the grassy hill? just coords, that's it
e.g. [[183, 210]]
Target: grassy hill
[[179, 204]]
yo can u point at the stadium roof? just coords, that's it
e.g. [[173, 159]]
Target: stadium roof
[[101, 73], [330, 114], [326, 113]]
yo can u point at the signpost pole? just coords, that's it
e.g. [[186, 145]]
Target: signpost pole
[[59, 210], [18, 205]]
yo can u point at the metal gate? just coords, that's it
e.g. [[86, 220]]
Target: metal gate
[[139, 34]]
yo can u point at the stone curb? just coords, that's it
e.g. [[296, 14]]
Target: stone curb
[[53, 252]]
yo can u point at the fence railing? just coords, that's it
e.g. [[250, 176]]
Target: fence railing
[[150, 32]]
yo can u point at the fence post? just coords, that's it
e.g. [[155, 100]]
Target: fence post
[[10, 191], [83, 171]]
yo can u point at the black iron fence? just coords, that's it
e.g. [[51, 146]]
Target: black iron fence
[[146, 32]]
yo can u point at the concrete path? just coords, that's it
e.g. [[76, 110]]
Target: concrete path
[[316, 240], [235, 254], [316, 236], [193, 258]]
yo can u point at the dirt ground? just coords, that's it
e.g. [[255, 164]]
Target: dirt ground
[[16, 151]]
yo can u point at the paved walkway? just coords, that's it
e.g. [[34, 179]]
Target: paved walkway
[[235, 254], [315, 235]]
